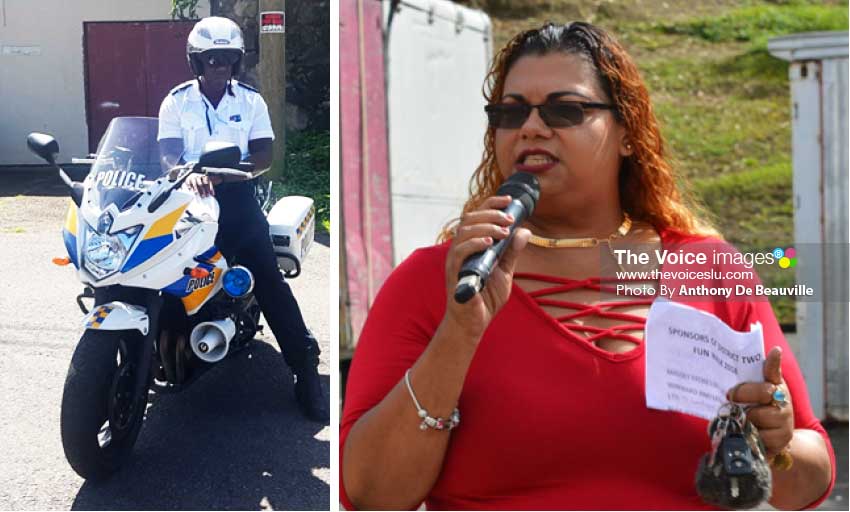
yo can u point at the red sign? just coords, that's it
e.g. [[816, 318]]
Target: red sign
[[272, 22]]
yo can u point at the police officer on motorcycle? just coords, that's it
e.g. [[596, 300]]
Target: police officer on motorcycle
[[215, 106]]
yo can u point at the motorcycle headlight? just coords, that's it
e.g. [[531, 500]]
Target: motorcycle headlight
[[104, 254]]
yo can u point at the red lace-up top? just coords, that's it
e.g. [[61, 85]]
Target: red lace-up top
[[551, 419], [547, 296]]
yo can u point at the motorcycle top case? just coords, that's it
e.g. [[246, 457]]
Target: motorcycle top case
[[292, 224]]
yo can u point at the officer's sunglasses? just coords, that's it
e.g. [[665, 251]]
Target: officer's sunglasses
[[559, 114], [219, 58]]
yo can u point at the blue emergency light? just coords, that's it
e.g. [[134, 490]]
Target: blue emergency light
[[237, 282]]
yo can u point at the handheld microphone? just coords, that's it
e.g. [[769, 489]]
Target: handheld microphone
[[524, 191]]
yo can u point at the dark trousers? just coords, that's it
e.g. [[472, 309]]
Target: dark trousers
[[249, 244]]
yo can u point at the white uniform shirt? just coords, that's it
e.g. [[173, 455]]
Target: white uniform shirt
[[242, 115]]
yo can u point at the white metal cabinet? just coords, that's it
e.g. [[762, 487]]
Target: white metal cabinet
[[819, 87]]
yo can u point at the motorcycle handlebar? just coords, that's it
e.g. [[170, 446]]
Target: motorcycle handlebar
[[228, 172], [177, 178]]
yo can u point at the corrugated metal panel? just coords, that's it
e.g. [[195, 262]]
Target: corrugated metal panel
[[809, 46], [438, 54]]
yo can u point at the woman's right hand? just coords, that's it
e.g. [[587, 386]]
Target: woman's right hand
[[478, 230]]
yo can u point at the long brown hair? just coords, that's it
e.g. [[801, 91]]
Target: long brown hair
[[647, 181]]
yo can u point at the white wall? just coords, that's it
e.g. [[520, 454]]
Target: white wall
[[44, 90]]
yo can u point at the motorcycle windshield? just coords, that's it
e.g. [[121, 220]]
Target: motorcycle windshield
[[128, 161]]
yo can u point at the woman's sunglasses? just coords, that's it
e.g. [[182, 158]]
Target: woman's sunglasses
[[561, 114]]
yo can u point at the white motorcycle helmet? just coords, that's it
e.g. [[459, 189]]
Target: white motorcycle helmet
[[212, 34]]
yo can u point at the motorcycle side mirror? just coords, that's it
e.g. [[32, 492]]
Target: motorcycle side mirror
[[44, 146], [47, 148], [220, 154]]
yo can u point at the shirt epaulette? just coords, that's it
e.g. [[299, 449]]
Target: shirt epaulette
[[184, 85], [246, 86]]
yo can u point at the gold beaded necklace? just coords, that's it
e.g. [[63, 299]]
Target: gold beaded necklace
[[562, 243]]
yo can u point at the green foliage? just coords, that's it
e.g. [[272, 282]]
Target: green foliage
[[760, 198], [759, 22], [753, 209], [755, 182], [711, 136], [307, 171], [308, 60], [184, 9], [747, 75]]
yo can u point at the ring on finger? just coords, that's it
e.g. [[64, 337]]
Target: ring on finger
[[782, 460], [779, 398]]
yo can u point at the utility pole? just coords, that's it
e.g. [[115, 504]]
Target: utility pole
[[272, 25]]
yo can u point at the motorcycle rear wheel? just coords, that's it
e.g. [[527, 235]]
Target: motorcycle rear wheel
[[101, 414]]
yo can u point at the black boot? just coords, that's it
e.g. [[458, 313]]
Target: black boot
[[309, 394], [312, 400]]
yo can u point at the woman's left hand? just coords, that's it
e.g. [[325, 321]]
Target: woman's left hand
[[775, 422]]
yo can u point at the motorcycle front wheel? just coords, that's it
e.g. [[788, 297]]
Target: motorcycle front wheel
[[101, 412]]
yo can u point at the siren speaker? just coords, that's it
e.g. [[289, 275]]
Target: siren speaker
[[210, 340]]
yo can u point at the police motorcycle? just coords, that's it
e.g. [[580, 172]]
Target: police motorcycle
[[167, 305]]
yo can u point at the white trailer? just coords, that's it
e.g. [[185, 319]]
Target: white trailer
[[438, 53]]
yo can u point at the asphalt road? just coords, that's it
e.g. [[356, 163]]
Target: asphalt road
[[233, 440]]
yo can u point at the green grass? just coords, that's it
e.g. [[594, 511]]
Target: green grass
[[307, 171], [722, 100], [761, 201], [756, 23], [707, 142], [763, 218]]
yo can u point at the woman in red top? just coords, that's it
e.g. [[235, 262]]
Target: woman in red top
[[546, 365]]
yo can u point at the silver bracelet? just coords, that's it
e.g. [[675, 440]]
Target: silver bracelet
[[427, 421]]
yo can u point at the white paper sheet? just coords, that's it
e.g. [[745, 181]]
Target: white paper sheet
[[693, 358]]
